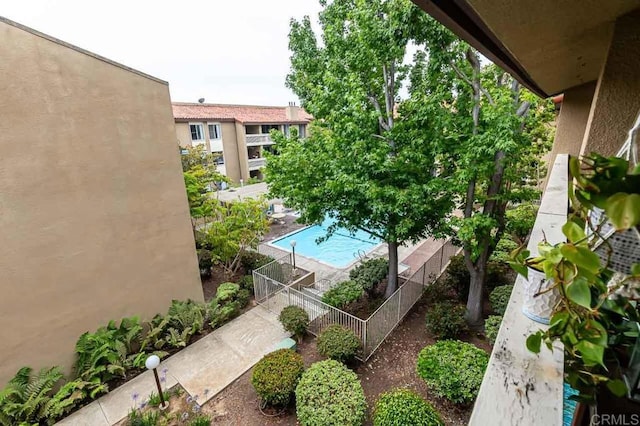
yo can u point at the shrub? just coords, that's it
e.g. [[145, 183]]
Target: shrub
[[25, 398], [338, 343], [491, 327], [458, 276], [205, 262], [276, 375], [440, 290], [445, 320], [453, 369], [252, 260], [343, 294], [370, 273], [503, 250], [246, 283], [243, 297], [295, 320], [220, 314], [499, 298], [330, 394], [402, 407], [227, 292], [520, 220]]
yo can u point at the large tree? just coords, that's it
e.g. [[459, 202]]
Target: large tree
[[501, 131], [364, 163]]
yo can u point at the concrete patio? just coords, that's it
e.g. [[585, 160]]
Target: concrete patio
[[203, 369]]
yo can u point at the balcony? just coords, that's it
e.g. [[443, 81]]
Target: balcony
[[520, 387], [257, 163], [259, 139]]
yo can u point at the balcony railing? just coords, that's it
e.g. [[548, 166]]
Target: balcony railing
[[256, 163], [520, 387], [261, 139]]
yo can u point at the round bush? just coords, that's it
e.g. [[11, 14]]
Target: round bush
[[276, 375], [403, 407], [445, 320], [330, 394], [227, 292], [491, 327], [338, 343], [343, 294], [453, 369], [499, 298], [370, 273], [295, 320]]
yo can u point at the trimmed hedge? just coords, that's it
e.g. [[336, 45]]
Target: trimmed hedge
[[338, 343], [499, 298], [402, 407], [342, 294], [445, 320], [276, 376], [491, 327], [227, 292], [370, 273], [295, 320], [329, 394], [453, 369]]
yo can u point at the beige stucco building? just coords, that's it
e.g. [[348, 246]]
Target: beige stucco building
[[94, 221], [239, 134]]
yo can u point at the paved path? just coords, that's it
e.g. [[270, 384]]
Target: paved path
[[204, 368]]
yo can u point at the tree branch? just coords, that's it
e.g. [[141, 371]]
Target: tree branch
[[461, 74], [378, 109]]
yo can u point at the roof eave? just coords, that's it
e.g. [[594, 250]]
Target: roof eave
[[461, 19]]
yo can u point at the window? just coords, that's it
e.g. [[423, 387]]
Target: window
[[215, 131], [197, 132], [302, 133], [266, 128], [219, 158], [286, 130]]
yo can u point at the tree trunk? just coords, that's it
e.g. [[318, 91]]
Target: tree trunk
[[474, 302], [392, 281]]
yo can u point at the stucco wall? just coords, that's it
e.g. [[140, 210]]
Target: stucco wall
[[230, 150], [183, 134], [616, 101], [93, 212]]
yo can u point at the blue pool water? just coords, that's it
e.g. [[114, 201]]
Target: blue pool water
[[338, 251]]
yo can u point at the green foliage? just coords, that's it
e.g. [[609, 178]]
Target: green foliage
[[445, 320], [220, 314], [338, 343], [453, 369], [27, 397], [329, 394], [503, 250], [520, 220], [459, 278], [596, 318], [252, 260], [402, 407], [491, 327], [377, 166], [499, 298], [276, 375], [342, 294], [234, 228], [139, 418], [227, 292], [370, 273], [246, 283], [200, 420], [441, 290], [295, 320], [243, 297], [205, 262]]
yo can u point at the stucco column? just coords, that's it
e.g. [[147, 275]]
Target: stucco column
[[616, 102], [243, 157]]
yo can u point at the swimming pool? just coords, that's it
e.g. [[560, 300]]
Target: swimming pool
[[338, 251]]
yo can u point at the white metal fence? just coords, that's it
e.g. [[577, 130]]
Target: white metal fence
[[272, 292]]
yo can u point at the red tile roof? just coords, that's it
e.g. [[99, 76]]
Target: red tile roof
[[241, 113]]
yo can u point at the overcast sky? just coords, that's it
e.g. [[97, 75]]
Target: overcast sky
[[227, 51]]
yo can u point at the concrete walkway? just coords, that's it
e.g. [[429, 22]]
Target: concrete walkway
[[203, 369]]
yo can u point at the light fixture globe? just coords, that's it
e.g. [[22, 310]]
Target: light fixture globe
[[152, 362], [292, 243]]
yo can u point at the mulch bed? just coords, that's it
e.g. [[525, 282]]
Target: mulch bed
[[218, 276], [392, 366]]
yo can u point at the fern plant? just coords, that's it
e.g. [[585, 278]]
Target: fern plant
[[70, 395], [26, 396], [100, 355]]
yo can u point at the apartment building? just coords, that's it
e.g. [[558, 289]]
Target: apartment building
[[239, 134], [93, 212]]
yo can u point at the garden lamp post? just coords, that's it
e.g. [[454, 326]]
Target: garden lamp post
[[152, 363], [293, 247]]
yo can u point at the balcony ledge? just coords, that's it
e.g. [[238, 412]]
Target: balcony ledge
[[520, 387]]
